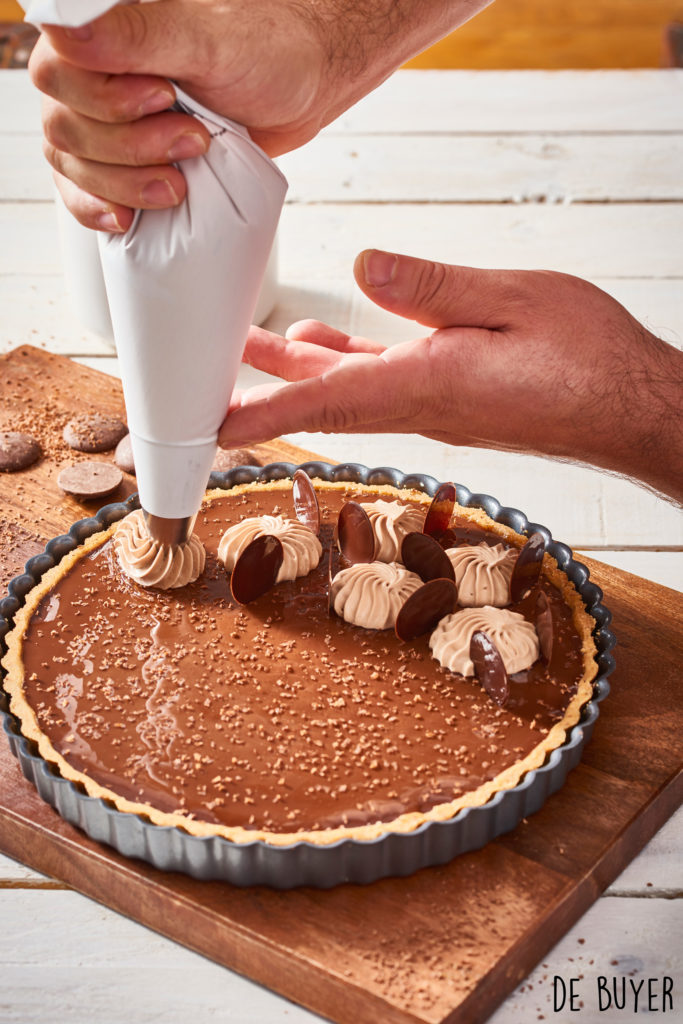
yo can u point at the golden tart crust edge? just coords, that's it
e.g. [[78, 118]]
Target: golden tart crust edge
[[408, 822]]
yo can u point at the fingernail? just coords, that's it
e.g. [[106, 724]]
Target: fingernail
[[108, 222], [185, 146], [159, 193], [379, 267], [159, 100], [81, 34]]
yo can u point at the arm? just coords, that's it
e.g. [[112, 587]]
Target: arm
[[283, 68], [524, 361]]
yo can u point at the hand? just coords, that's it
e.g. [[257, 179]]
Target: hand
[[524, 361], [282, 68]]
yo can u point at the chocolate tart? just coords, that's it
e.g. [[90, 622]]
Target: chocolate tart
[[274, 743]]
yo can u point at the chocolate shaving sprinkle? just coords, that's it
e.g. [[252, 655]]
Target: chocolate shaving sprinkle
[[355, 535], [306, 501], [545, 627], [489, 667], [425, 608], [256, 569], [440, 511], [527, 570], [423, 555]]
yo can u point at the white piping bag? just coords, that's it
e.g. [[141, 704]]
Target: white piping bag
[[182, 286]]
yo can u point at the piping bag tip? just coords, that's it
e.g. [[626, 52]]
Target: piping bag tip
[[169, 531]]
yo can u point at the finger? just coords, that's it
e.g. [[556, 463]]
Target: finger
[[93, 211], [104, 97], [290, 360], [146, 188], [322, 334], [153, 140], [441, 295], [158, 38]]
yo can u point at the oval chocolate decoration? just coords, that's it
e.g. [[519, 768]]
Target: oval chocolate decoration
[[425, 608], [527, 570], [306, 501], [256, 569], [489, 667], [424, 555], [440, 511], [545, 627], [355, 535]]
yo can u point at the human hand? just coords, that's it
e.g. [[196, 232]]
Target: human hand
[[523, 361], [282, 68]]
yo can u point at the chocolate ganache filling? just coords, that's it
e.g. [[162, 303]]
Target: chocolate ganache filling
[[277, 716]]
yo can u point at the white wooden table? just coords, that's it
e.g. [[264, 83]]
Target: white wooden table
[[573, 171]]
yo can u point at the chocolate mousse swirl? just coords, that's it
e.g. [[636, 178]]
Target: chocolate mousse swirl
[[514, 637], [301, 548], [151, 564], [482, 574], [371, 594], [391, 521]]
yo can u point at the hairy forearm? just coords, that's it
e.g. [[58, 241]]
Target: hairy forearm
[[646, 437], [366, 40]]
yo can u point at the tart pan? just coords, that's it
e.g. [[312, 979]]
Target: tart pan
[[304, 863]]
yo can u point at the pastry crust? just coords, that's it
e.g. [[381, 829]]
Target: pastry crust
[[507, 779]]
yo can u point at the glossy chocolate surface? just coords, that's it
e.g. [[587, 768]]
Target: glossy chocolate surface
[[274, 716]]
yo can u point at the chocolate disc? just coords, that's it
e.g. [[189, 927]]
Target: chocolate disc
[[440, 511], [17, 451], [425, 608], [306, 501], [355, 535], [94, 433], [90, 480], [489, 667], [527, 570], [424, 555], [123, 456], [256, 569], [230, 458], [545, 627]]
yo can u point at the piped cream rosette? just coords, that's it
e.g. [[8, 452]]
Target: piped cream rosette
[[151, 564], [300, 547], [514, 638]]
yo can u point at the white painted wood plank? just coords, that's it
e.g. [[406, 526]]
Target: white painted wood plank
[[634, 939], [470, 101], [319, 243], [513, 101], [664, 567], [453, 169], [92, 966], [659, 868], [518, 168], [37, 311]]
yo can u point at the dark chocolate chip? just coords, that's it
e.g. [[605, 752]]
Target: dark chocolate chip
[[123, 456], [90, 479], [424, 555], [527, 570], [489, 667], [230, 458], [256, 569], [17, 451], [94, 433], [425, 608], [545, 627], [306, 501], [440, 511], [355, 535]]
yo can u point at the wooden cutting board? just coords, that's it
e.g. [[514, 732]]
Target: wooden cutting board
[[448, 944]]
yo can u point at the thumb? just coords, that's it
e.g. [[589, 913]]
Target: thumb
[[438, 294], [156, 38]]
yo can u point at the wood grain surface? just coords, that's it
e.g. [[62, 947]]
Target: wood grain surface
[[447, 944]]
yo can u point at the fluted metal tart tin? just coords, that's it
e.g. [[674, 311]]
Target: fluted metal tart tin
[[305, 863]]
